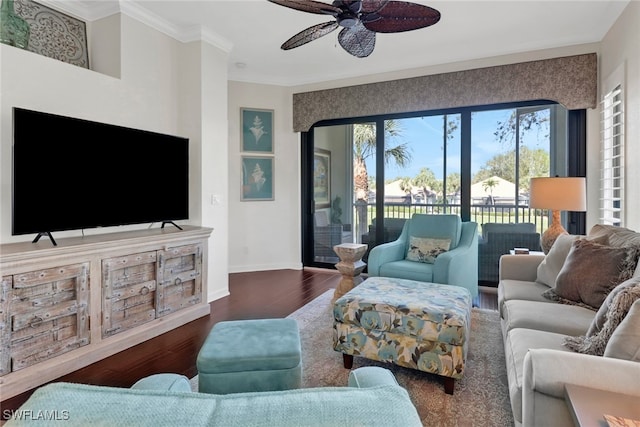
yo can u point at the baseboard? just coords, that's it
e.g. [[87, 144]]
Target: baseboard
[[321, 270], [264, 267], [217, 295]]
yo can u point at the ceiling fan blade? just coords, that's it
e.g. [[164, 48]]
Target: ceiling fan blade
[[399, 16], [310, 6], [357, 40], [370, 6], [309, 35]]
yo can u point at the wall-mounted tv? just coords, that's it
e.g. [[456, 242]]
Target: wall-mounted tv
[[71, 174]]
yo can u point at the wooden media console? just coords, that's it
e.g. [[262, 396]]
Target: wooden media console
[[64, 307]]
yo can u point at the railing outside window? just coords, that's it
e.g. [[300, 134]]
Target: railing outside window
[[480, 213]]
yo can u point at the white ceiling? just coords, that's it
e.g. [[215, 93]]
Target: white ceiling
[[253, 30]]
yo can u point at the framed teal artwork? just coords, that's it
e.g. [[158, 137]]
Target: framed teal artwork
[[257, 130], [257, 178]]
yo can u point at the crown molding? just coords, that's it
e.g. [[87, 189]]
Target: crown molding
[[86, 10], [136, 11], [91, 10], [200, 33], [181, 33]]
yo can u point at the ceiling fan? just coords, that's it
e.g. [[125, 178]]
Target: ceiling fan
[[360, 21]]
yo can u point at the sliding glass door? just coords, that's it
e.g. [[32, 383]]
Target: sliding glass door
[[331, 180], [363, 178]]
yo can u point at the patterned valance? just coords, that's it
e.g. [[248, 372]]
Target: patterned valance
[[570, 81]]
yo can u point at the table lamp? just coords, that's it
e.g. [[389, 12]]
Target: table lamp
[[557, 194]]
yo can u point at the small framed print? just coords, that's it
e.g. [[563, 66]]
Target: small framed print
[[257, 178], [256, 130], [322, 178]]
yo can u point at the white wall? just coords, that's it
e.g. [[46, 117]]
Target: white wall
[[265, 235], [104, 45], [202, 114], [150, 96], [247, 242], [215, 167], [621, 47]]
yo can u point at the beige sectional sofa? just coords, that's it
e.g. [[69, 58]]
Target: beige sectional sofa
[[552, 342]]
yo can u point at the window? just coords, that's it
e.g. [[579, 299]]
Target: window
[[472, 161], [508, 148], [612, 158]]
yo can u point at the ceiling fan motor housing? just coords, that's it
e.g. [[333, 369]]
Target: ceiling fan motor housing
[[347, 19], [350, 12]]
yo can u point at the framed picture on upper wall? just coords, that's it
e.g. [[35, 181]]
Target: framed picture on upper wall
[[322, 178], [257, 178], [53, 34], [256, 130]]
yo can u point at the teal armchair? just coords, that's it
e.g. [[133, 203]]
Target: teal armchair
[[458, 266]]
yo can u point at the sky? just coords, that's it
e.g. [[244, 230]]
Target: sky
[[425, 137]]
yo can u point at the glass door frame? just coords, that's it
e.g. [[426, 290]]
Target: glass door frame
[[576, 166]]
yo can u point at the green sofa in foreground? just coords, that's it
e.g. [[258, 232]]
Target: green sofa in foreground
[[373, 398]]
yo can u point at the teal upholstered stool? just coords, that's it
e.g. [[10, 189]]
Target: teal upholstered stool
[[250, 355], [170, 382]]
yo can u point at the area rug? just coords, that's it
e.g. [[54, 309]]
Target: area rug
[[480, 399]]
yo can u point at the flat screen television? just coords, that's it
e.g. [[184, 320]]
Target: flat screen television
[[71, 174]]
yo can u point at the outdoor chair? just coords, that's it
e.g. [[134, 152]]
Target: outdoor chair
[[391, 231], [498, 240], [327, 235]]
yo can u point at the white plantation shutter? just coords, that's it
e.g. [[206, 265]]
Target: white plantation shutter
[[612, 158]]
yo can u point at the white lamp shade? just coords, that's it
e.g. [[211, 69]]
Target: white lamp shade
[[558, 193]]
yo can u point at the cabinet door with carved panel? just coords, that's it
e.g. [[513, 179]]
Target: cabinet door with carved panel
[[128, 292], [5, 325], [49, 315], [179, 278]]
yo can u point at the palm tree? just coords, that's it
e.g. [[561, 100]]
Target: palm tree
[[405, 184], [364, 146], [427, 180], [488, 184]]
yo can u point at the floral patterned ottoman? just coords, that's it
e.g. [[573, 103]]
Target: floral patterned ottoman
[[418, 325]]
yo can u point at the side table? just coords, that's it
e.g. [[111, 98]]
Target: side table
[[513, 252], [350, 266], [588, 406]]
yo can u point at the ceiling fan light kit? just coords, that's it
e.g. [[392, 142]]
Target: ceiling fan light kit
[[360, 20]]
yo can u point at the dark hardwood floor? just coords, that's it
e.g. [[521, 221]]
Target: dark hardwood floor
[[253, 295]]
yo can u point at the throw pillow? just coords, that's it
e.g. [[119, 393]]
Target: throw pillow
[[601, 315], [625, 340], [552, 263], [597, 343], [614, 235], [591, 271], [425, 249]]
